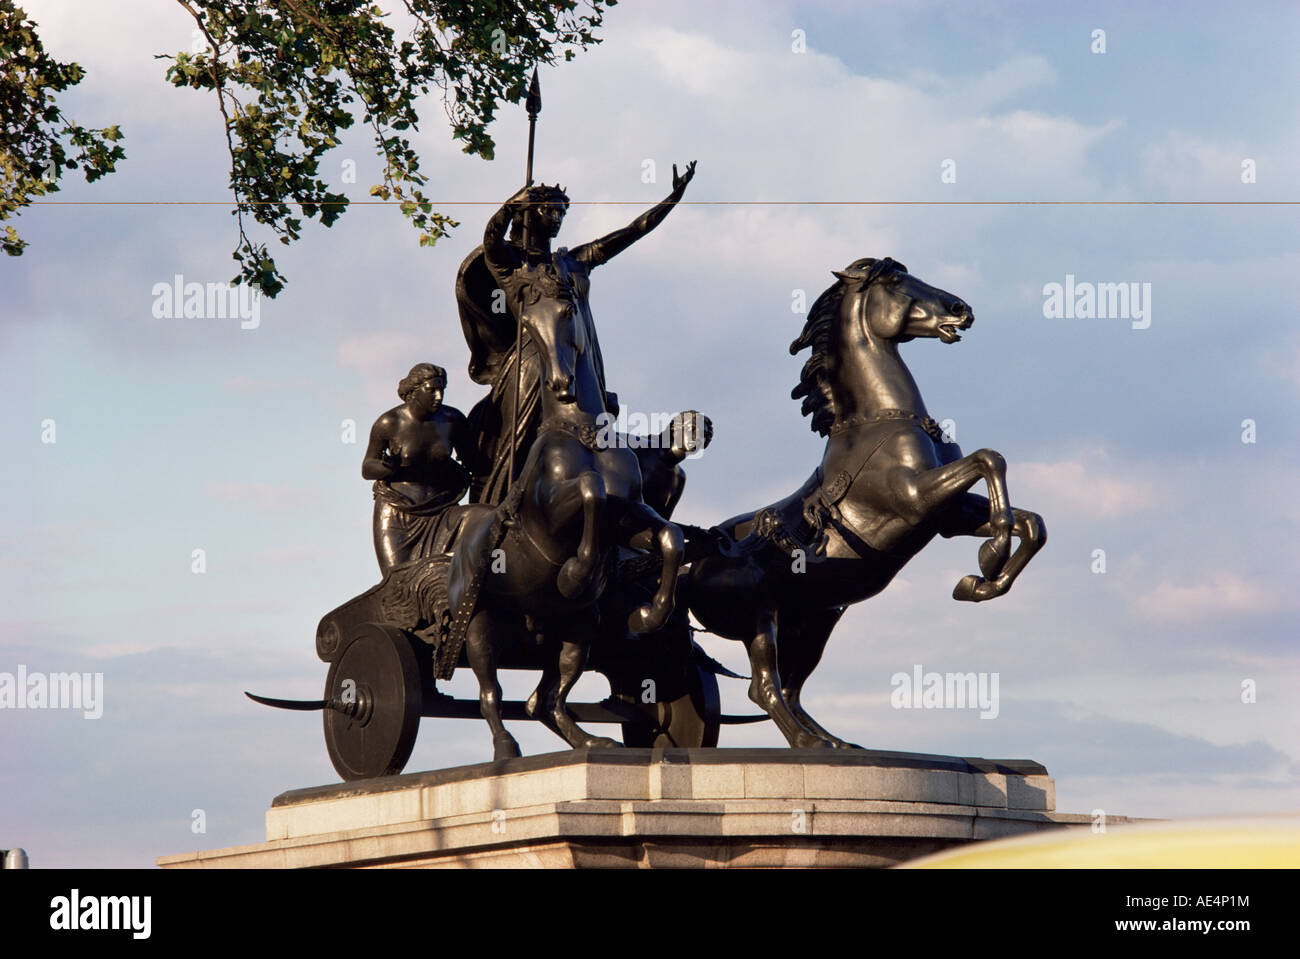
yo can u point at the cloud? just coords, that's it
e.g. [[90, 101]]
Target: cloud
[[1222, 595], [249, 385], [291, 555], [1282, 361], [868, 136], [376, 355], [1115, 746], [1004, 81], [269, 496], [1089, 483], [1188, 166]]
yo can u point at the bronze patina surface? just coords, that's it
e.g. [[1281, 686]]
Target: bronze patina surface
[[564, 556]]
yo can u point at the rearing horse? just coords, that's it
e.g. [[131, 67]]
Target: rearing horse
[[889, 481], [577, 496]]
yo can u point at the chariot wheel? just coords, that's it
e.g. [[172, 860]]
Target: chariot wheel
[[375, 698], [690, 721]]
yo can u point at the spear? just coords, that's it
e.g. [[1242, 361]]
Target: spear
[[534, 106]]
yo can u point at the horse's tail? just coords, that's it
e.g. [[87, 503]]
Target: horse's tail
[[502, 517]]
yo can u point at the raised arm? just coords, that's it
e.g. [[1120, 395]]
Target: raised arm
[[607, 247], [496, 250]]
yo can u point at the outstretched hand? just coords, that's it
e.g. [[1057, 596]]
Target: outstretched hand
[[679, 182]]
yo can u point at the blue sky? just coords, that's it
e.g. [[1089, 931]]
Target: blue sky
[[176, 434]]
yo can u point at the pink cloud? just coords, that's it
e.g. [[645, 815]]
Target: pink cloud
[[261, 495], [376, 355], [1089, 483], [1224, 594]]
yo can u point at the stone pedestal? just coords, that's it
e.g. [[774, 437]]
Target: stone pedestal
[[655, 808]]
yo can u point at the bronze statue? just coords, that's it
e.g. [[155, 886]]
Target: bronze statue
[[586, 564], [888, 482], [565, 555], [575, 499], [504, 280], [412, 459]]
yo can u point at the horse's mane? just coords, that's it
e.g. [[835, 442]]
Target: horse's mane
[[819, 333]]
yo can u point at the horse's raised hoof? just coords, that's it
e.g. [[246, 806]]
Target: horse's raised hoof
[[574, 578], [965, 590], [974, 589], [645, 619], [993, 555], [601, 742], [505, 747]]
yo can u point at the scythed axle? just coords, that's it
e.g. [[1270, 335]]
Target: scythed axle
[[446, 707]]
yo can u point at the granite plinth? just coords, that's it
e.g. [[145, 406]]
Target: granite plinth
[[655, 808]]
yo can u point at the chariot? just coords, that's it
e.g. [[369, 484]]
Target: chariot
[[387, 648]]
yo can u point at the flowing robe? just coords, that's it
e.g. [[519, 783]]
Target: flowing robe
[[494, 354]]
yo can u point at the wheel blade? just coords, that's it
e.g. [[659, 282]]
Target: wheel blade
[[301, 704]]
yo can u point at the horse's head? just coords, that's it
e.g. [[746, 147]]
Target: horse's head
[[552, 323], [885, 302], [873, 304]]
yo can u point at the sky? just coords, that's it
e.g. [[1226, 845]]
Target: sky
[[1164, 686]]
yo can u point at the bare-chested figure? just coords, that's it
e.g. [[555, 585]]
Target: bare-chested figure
[[412, 457]]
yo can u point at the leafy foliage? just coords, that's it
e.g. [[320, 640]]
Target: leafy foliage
[[290, 75], [38, 144]]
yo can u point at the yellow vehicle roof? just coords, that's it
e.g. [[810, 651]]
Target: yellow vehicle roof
[[1260, 842]]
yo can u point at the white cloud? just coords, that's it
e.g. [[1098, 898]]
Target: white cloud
[[1282, 361], [376, 355], [269, 496], [1223, 594], [965, 277], [1016, 75], [1189, 167], [1089, 483]]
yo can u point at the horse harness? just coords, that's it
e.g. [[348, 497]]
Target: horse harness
[[821, 511], [588, 434]]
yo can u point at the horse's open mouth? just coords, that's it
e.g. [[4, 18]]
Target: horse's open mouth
[[948, 332]]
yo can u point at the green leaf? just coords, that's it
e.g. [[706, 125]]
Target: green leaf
[[309, 69], [37, 142]]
